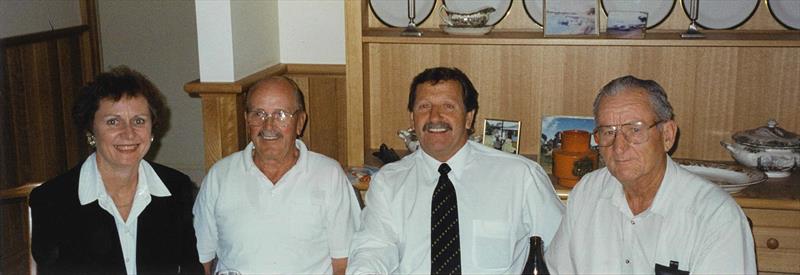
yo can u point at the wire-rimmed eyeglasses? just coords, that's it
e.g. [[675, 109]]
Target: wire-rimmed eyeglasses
[[634, 132], [281, 117]]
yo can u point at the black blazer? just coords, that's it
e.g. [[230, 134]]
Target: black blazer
[[72, 238]]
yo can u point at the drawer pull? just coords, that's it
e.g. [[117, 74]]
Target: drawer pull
[[772, 243]]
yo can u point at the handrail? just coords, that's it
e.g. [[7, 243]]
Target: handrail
[[18, 192]]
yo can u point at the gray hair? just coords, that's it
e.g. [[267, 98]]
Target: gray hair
[[298, 94], [654, 91]]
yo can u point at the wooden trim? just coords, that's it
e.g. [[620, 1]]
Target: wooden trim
[[768, 203], [18, 192], [654, 39], [354, 49], [42, 36], [326, 69], [236, 87], [91, 41]]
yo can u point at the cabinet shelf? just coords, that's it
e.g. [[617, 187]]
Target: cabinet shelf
[[652, 39]]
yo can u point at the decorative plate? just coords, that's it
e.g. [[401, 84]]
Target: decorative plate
[[731, 177], [466, 30], [722, 14], [394, 13], [501, 8], [657, 10], [535, 10], [786, 12]]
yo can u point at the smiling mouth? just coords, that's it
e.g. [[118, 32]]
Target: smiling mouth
[[267, 135], [439, 127], [127, 147]]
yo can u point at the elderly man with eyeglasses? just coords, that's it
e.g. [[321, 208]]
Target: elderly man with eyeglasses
[[275, 207], [643, 213]]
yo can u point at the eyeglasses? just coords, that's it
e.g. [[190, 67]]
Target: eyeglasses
[[281, 117], [634, 132]]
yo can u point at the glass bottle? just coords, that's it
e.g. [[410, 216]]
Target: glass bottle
[[535, 263]]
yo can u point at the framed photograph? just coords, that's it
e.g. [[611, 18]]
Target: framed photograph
[[501, 135], [571, 17], [551, 135], [627, 24]]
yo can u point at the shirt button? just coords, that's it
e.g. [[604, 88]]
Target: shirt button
[[627, 261], [127, 260], [633, 222]]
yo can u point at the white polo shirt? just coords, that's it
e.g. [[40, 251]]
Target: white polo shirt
[[294, 226], [691, 222], [91, 188]]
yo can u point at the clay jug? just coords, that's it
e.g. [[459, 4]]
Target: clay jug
[[574, 158]]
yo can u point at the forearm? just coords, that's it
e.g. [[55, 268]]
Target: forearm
[[339, 266], [208, 268]]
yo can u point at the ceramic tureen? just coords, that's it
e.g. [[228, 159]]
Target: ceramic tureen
[[769, 148]]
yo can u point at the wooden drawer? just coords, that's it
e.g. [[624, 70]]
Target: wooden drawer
[[777, 239], [773, 218]]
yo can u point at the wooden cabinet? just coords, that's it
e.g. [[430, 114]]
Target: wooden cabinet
[[774, 209], [729, 81], [732, 80]]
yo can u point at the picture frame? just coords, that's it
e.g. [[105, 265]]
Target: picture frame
[[550, 138], [502, 134], [627, 24], [571, 17]]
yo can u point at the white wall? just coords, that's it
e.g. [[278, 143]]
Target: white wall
[[312, 31], [25, 16], [255, 36], [159, 39]]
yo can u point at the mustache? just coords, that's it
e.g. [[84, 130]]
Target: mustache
[[268, 134], [440, 125]]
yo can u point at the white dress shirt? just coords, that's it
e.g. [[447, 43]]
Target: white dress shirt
[[503, 199], [294, 226], [91, 188], [691, 221]]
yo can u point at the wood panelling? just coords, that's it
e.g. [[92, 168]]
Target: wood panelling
[[714, 90], [325, 102], [223, 105], [43, 73], [517, 19]]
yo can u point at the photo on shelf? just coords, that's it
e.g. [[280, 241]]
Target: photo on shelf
[[501, 135], [552, 126], [627, 24], [571, 17]]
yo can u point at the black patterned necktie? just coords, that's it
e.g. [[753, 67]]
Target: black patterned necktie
[[445, 244]]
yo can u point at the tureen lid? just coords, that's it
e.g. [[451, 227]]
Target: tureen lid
[[770, 136]]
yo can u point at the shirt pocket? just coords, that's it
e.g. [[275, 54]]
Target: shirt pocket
[[491, 244], [308, 221]]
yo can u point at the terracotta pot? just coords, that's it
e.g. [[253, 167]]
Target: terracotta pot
[[574, 158]]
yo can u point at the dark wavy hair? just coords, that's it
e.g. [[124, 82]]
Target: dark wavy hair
[[439, 74], [113, 85]]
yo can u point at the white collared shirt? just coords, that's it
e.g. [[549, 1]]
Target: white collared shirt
[[91, 188], [691, 221], [503, 199], [294, 226]]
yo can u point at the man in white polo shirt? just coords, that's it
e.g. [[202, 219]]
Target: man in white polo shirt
[[643, 213], [275, 207]]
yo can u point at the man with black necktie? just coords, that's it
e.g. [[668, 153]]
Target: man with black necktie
[[455, 206]]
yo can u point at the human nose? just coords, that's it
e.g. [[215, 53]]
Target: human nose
[[620, 142], [436, 112]]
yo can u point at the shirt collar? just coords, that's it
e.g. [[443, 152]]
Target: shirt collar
[[250, 165], [91, 188], [457, 162], [617, 194]]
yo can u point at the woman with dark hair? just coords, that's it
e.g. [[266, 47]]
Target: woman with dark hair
[[116, 213]]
